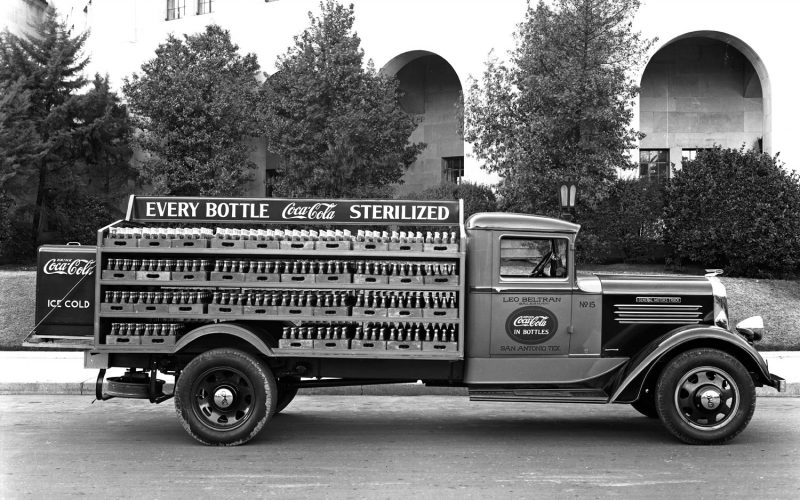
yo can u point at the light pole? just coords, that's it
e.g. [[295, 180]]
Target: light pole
[[567, 194]]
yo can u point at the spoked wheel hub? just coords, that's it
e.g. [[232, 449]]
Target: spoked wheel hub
[[707, 398], [223, 397]]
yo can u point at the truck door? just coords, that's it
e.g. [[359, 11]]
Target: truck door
[[532, 296]]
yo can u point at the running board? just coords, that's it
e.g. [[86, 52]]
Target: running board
[[58, 342], [539, 395]]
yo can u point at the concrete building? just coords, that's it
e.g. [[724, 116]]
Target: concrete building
[[20, 17], [719, 74]]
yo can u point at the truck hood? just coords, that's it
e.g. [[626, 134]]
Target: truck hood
[[626, 284]]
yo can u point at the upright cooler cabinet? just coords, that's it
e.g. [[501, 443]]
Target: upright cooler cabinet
[[334, 278]]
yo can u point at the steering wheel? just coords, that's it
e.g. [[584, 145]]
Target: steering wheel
[[539, 269]]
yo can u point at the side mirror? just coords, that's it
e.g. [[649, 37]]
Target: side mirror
[[752, 328]]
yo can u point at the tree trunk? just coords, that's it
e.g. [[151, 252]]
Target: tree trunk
[[40, 202]]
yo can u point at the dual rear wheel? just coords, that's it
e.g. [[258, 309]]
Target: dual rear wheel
[[226, 396]]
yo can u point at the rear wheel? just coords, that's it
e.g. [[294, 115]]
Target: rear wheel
[[705, 396], [225, 396]]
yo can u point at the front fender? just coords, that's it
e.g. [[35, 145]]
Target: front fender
[[680, 339]]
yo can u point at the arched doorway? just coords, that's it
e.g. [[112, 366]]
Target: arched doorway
[[432, 91], [700, 90]]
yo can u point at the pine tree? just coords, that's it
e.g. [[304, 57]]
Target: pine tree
[[563, 105], [336, 124], [196, 103], [41, 75], [20, 144]]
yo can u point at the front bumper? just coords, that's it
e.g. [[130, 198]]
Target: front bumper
[[777, 382]]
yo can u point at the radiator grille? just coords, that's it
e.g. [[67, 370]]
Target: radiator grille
[[657, 314]]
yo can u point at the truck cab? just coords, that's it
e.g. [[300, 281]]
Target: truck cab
[[314, 293]]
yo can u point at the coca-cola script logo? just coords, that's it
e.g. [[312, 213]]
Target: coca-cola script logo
[[69, 267], [317, 211], [531, 325]]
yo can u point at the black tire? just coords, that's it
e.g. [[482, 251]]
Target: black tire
[[286, 394], [705, 396], [225, 396], [646, 404]]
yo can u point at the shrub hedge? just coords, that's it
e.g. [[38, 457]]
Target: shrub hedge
[[737, 210], [477, 197]]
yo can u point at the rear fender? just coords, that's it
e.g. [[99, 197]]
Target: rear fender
[[247, 333], [681, 339]]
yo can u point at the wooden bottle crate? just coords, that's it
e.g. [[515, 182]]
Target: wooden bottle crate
[[296, 344], [116, 307], [368, 345], [189, 243], [262, 244], [402, 345], [168, 340], [367, 279], [372, 246], [331, 344], [333, 245], [378, 312], [121, 340]]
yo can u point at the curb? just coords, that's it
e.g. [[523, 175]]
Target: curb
[[87, 388]]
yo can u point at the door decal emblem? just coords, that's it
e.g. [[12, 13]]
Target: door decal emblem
[[531, 325]]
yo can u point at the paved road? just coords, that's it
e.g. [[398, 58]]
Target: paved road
[[388, 447]]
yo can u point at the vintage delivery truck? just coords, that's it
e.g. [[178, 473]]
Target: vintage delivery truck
[[246, 301]]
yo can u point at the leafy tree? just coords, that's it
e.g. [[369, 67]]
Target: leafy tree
[[337, 125], [625, 226], [48, 129], [195, 104], [562, 106], [736, 210]]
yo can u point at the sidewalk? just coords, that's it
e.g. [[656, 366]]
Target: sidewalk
[[30, 372]]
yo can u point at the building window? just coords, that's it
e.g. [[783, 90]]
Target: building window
[[533, 257], [452, 169], [690, 154], [204, 6], [176, 9], [654, 164]]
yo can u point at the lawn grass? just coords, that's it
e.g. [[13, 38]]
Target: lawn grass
[[778, 301], [17, 290]]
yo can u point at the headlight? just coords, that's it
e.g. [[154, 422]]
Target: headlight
[[752, 328]]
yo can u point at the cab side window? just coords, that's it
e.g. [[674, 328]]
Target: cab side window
[[533, 257]]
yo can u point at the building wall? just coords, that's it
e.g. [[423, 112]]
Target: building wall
[[432, 90], [21, 16], [463, 32], [699, 93]]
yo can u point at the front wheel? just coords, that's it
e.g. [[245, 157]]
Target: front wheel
[[705, 396], [225, 396]]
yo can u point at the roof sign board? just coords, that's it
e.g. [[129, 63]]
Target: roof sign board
[[295, 211]]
